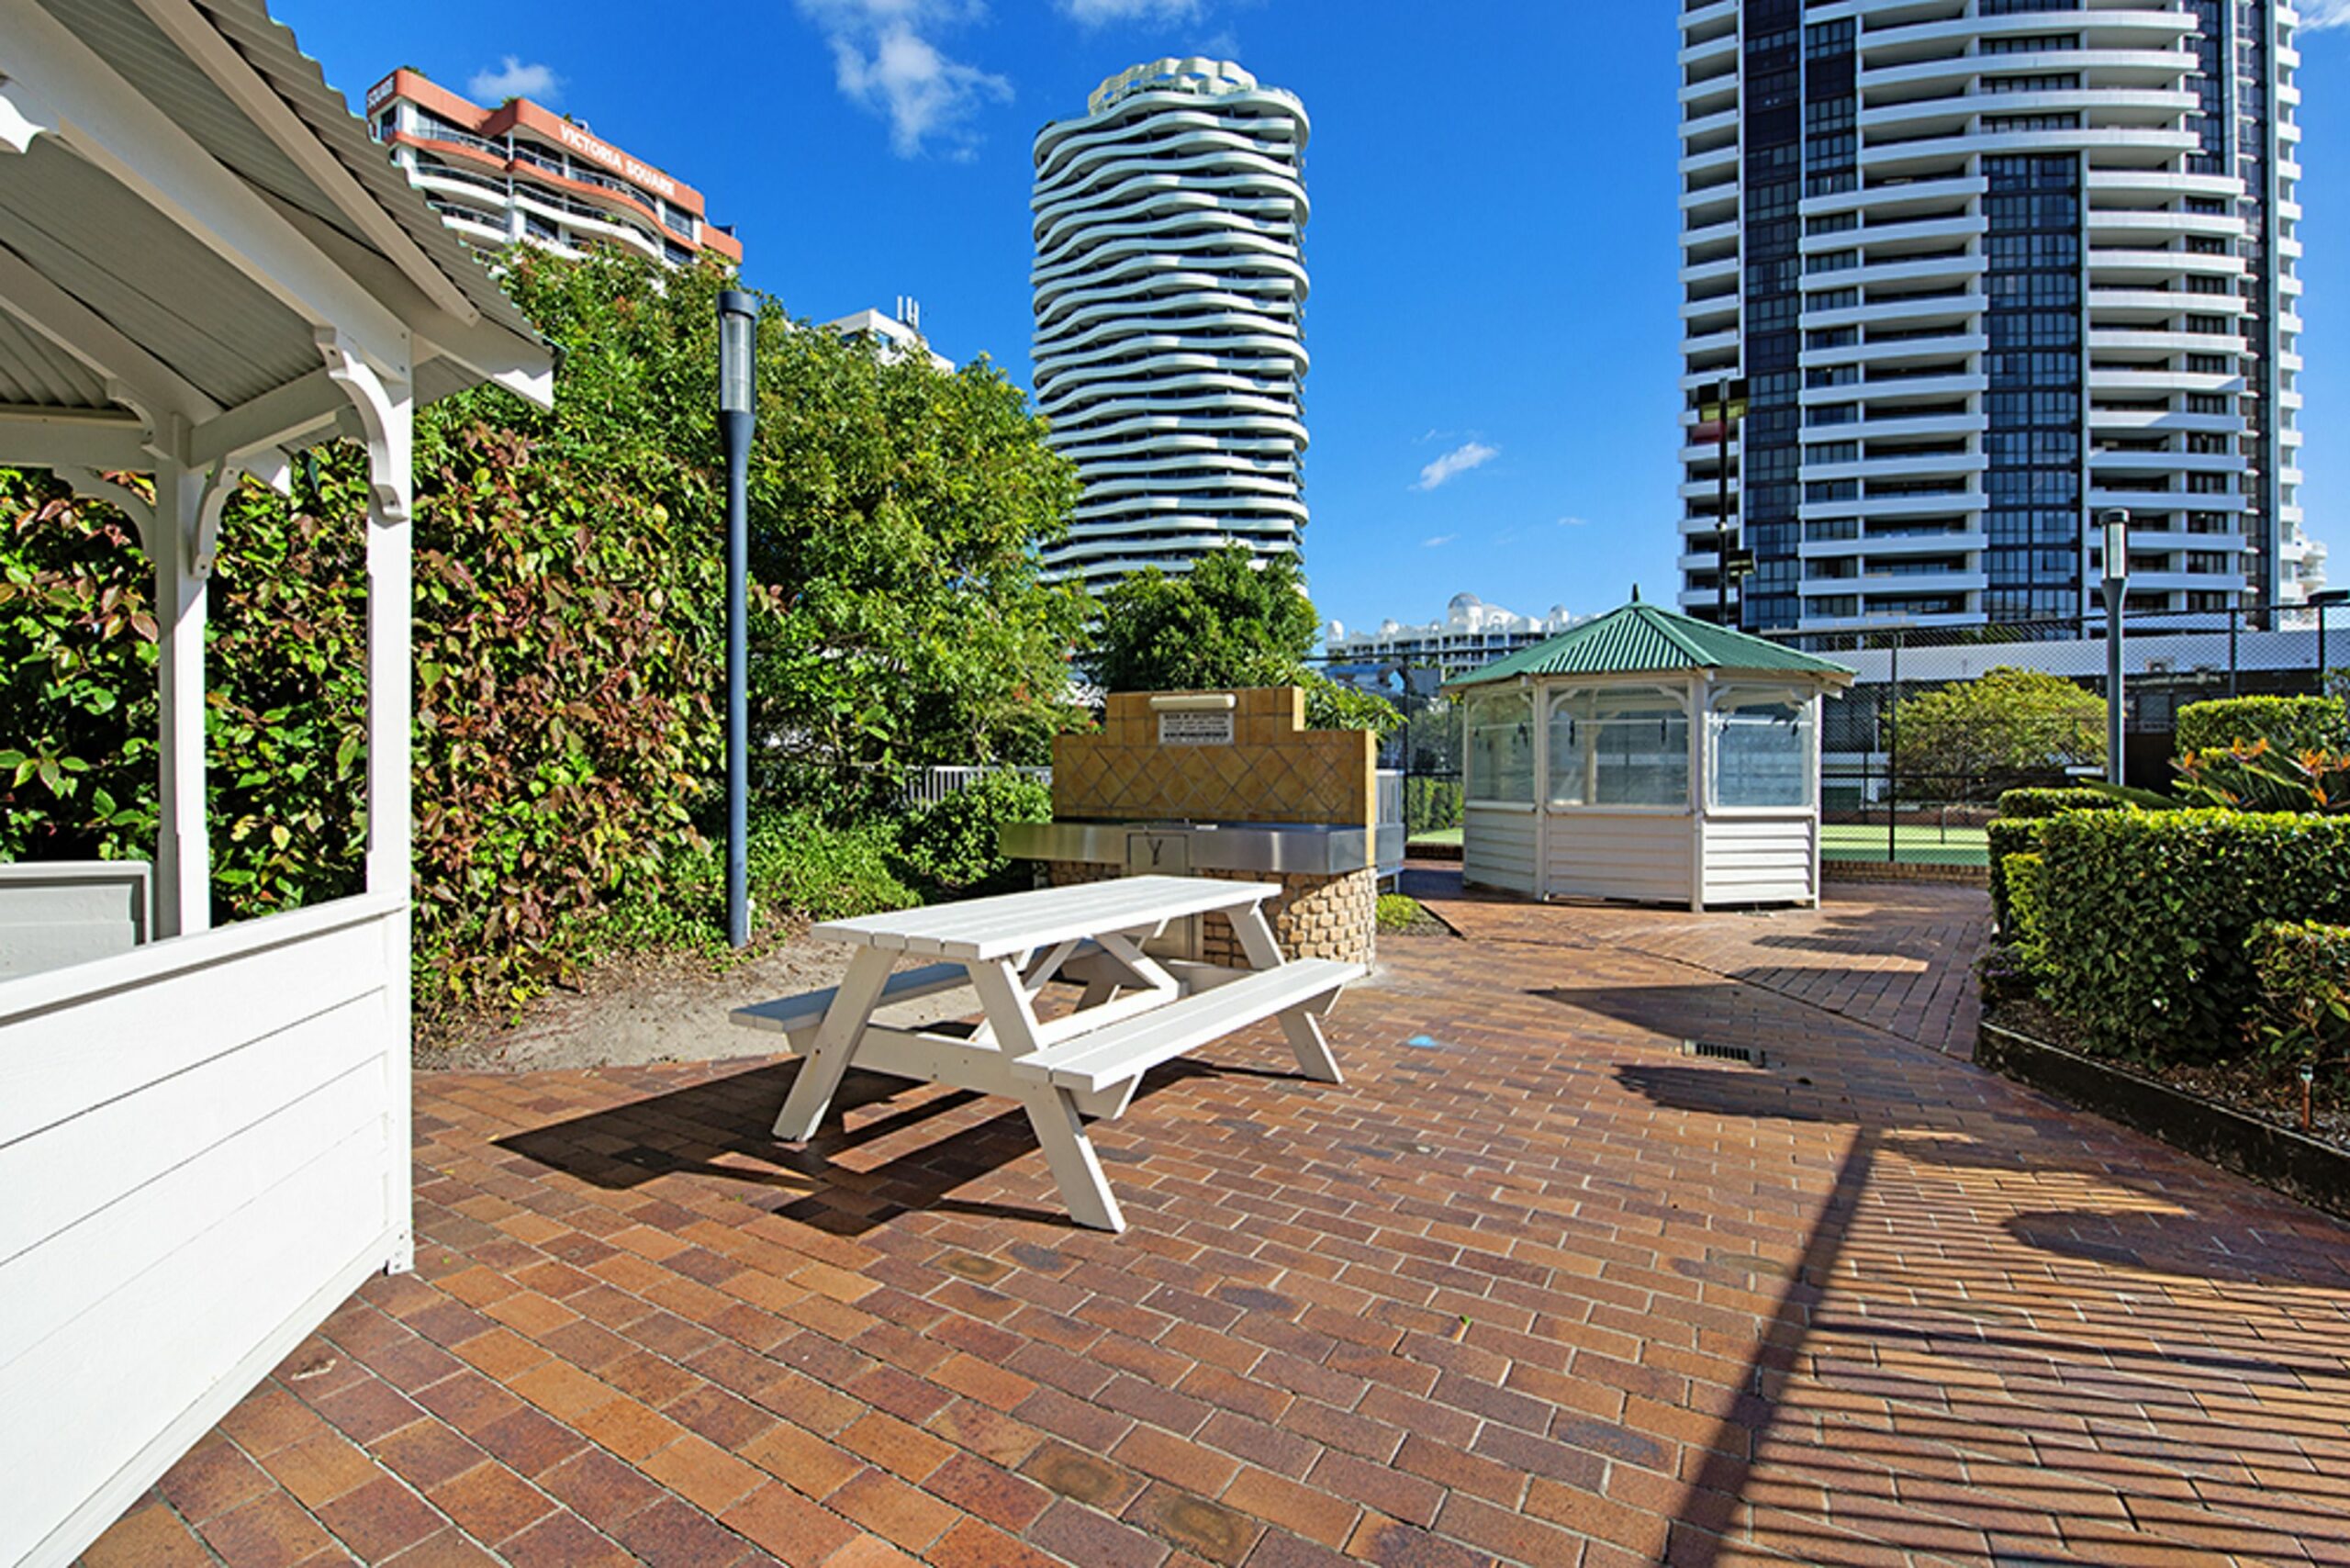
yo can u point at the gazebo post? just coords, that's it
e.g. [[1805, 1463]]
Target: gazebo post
[[384, 404], [1699, 697], [182, 847], [1541, 705]]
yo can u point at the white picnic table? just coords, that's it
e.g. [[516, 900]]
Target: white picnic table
[[1137, 1010]]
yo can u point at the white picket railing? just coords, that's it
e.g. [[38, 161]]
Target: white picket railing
[[928, 786]]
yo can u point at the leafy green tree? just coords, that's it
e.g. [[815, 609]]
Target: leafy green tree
[[1972, 739], [1236, 620], [568, 617]]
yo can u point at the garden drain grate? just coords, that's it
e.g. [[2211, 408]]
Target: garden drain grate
[[1751, 1056]]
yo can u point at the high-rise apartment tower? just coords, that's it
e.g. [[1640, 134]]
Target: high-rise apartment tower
[[1989, 268], [1170, 299]]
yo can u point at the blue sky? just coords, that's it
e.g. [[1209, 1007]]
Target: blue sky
[[1494, 321]]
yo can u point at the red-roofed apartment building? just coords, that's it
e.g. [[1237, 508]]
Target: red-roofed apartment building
[[522, 173]]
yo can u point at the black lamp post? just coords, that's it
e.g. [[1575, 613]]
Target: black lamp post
[[738, 321], [2117, 581]]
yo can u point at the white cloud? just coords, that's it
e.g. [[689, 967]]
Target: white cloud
[[1459, 460], [2317, 15], [1437, 540], [1099, 13], [883, 60], [1573, 522], [512, 79]]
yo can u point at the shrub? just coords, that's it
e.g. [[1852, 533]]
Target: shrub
[[2288, 723], [2037, 805], [1430, 804], [2254, 776], [950, 844], [2027, 930], [2145, 916], [1398, 912], [2303, 970], [2016, 831]]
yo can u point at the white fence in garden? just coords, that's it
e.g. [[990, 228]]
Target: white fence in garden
[[205, 1145], [928, 786]]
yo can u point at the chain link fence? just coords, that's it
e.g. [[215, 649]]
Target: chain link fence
[[1875, 804]]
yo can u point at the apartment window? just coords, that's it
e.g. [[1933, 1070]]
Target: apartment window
[[1831, 261], [2029, 43], [1833, 451], [2209, 484], [1831, 338], [2051, 82], [1833, 490], [1833, 299], [2210, 403], [2210, 364], [1831, 223], [1832, 414], [1832, 376], [2067, 120]]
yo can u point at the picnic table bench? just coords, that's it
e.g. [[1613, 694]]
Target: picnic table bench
[[1135, 1012]]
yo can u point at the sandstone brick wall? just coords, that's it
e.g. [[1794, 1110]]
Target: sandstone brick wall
[[1275, 770], [1312, 917]]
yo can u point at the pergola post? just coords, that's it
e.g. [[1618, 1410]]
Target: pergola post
[[384, 401], [183, 849]]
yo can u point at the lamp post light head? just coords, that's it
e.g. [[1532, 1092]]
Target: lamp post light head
[[738, 325], [2116, 524]]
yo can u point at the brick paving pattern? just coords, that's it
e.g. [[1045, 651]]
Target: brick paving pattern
[[1533, 1287], [1899, 956]]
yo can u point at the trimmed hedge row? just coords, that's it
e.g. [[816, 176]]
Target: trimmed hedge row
[[2016, 831], [2292, 724], [2145, 918]]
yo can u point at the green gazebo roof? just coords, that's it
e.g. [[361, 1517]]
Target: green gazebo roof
[[1644, 639]]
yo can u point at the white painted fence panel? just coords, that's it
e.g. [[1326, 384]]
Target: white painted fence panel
[[1497, 847], [205, 1148], [1759, 859], [1622, 855], [928, 786]]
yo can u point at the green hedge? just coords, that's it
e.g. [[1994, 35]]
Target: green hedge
[[2037, 805], [2303, 970], [2147, 916], [2293, 725], [2016, 831], [949, 847], [2027, 933]]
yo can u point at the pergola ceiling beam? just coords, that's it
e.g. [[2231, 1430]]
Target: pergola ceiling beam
[[281, 417], [200, 39], [488, 349], [57, 438], [116, 129]]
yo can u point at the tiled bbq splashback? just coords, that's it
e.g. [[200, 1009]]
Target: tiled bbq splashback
[[1273, 769]]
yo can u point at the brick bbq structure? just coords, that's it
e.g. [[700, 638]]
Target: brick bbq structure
[[1227, 784]]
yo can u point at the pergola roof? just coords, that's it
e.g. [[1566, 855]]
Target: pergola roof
[[173, 240], [1648, 639]]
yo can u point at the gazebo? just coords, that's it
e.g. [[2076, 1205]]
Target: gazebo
[[1650, 756], [206, 266]]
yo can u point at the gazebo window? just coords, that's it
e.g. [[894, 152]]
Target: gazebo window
[[1618, 746], [1501, 748], [1762, 743]]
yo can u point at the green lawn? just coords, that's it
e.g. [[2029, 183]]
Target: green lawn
[[1437, 835], [1925, 842]]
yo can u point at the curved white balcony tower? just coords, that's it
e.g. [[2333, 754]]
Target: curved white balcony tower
[[1170, 298], [1991, 267]]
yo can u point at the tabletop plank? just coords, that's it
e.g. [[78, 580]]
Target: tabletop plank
[[1009, 923]]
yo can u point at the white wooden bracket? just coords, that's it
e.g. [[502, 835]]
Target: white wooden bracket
[[23, 116], [94, 487], [382, 403]]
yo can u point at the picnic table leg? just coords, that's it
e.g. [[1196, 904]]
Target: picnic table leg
[[1304, 1029], [1051, 1111], [828, 1058]]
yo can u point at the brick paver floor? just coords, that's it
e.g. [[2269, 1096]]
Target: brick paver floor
[[1532, 1286], [1899, 956]]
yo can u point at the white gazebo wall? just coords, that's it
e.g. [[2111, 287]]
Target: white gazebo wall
[[1520, 837], [206, 1139]]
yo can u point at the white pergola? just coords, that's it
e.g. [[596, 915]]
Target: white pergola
[[206, 266]]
